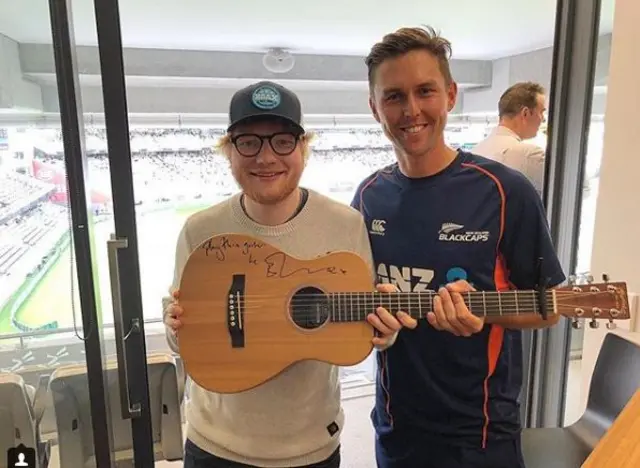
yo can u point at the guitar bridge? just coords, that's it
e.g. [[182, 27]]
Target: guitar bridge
[[235, 311]]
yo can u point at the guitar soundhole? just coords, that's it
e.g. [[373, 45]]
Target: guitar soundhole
[[309, 308]]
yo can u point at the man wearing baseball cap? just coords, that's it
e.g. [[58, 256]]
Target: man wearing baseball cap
[[295, 419]]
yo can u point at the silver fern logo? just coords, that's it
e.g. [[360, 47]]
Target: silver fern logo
[[450, 227]]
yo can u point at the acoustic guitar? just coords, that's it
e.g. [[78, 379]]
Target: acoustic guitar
[[251, 310]]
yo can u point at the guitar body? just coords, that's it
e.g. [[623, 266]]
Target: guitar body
[[251, 311]]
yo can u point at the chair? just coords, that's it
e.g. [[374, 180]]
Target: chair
[[73, 412], [615, 379], [33, 376], [21, 410]]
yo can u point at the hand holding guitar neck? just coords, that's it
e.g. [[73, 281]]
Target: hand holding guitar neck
[[386, 323], [451, 314]]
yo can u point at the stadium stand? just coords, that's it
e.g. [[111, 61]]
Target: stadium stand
[[181, 165], [18, 192], [27, 241]]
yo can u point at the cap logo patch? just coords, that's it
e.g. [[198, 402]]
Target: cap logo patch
[[266, 98]]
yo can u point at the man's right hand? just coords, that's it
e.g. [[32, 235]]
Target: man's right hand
[[172, 314]]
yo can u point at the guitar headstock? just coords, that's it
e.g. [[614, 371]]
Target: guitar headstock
[[606, 300]]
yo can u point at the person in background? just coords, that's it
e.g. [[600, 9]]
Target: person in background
[[295, 419], [448, 221], [521, 111]]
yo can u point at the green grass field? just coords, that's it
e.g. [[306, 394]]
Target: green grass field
[[51, 299], [52, 294], [5, 320]]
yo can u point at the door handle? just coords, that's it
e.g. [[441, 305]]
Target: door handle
[[129, 411]]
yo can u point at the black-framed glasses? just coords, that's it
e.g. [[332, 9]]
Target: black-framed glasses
[[250, 144]]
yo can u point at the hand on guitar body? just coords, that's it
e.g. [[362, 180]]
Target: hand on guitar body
[[386, 323], [451, 314], [172, 314]]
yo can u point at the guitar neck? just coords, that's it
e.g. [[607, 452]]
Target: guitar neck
[[355, 306]]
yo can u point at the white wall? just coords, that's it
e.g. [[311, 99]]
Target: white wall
[[15, 92]]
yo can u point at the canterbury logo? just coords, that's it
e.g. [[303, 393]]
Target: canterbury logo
[[377, 226]]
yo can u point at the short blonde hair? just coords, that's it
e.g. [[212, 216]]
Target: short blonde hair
[[224, 144]]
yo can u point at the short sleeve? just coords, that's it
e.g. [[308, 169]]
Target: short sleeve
[[357, 198], [363, 247], [357, 202], [526, 238]]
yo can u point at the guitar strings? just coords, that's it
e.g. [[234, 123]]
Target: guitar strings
[[342, 307], [358, 317], [428, 294], [339, 312], [402, 301], [339, 307]]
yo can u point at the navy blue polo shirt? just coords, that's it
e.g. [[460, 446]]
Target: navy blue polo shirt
[[476, 220]]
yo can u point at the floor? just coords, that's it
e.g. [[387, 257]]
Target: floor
[[574, 405], [357, 451]]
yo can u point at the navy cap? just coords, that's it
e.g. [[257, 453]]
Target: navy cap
[[265, 99]]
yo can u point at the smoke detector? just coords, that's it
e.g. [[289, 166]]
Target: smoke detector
[[278, 60]]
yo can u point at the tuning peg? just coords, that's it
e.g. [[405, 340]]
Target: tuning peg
[[589, 279], [572, 280], [576, 324], [611, 325], [605, 278], [594, 324]]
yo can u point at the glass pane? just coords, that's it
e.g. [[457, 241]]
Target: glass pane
[[590, 185], [41, 329], [42, 357]]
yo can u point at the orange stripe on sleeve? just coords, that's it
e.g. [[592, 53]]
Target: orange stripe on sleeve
[[384, 375], [496, 336], [494, 346], [503, 198]]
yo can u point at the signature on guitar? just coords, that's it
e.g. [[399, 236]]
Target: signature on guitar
[[219, 249], [276, 263]]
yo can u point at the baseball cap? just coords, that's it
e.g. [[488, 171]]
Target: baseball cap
[[265, 99]]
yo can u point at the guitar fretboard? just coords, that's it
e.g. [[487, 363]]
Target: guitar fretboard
[[355, 306]]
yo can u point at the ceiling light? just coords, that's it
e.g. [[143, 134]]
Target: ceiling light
[[278, 60]]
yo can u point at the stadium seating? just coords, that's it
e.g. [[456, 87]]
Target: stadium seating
[[69, 390], [34, 377], [27, 241], [21, 410], [18, 190]]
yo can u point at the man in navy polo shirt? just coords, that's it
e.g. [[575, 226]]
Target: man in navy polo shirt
[[446, 220]]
